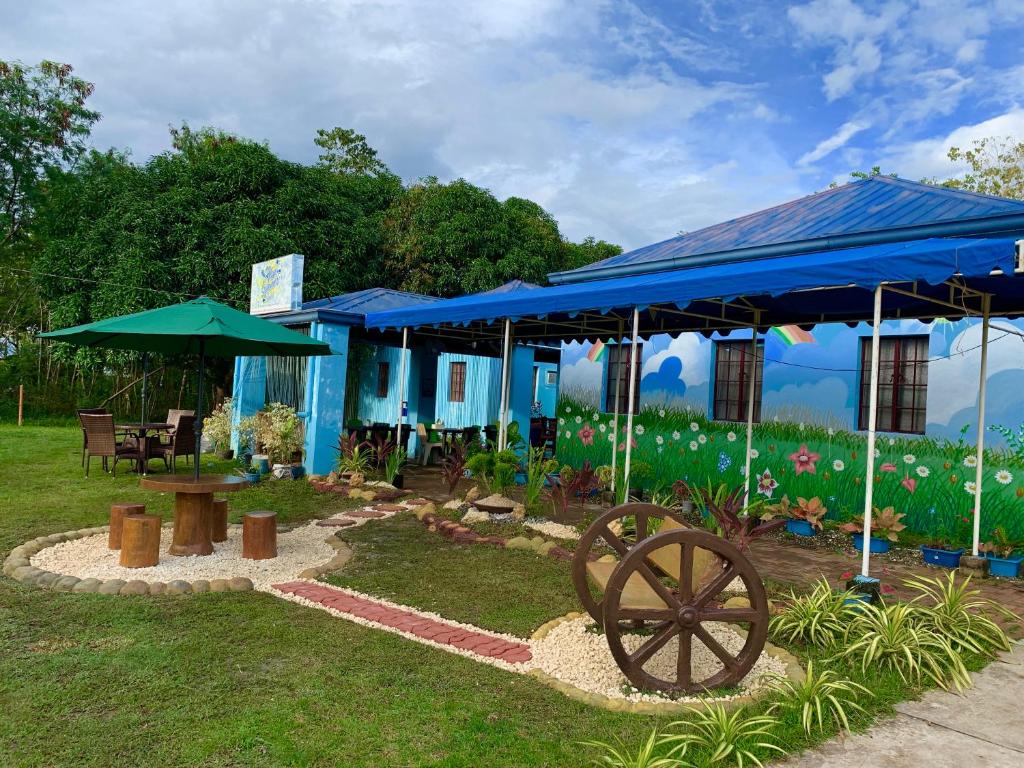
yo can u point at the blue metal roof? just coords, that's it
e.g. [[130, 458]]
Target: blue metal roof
[[879, 204], [512, 286], [369, 300]]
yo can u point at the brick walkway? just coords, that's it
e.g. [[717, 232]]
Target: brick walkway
[[791, 564], [474, 642]]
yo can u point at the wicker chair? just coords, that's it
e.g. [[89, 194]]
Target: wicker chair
[[182, 442], [101, 440], [85, 437]]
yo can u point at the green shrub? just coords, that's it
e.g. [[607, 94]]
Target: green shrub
[[951, 609], [820, 696], [647, 755], [819, 618], [728, 739]]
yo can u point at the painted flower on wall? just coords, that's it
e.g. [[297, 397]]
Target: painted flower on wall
[[602, 427], [724, 461], [639, 429], [805, 460], [766, 484], [887, 467], [694, 426], [1004, 477], [970, 461], [970, 487], [661, 413], [659, 440], [730, 436], [754, 453], [922, 471], [838, 465], [579, 419], [702, 439], [909, 483], [909, 459], [693, 445], [586, 434], [676, 435]]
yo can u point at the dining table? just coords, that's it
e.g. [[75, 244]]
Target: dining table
[[145, 432], [193, 507]]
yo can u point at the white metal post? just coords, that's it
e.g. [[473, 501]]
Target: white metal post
[[618, 393], [869, 480], [986, 307], [751, 392], [401, 387], [629, 405], [503, 414]]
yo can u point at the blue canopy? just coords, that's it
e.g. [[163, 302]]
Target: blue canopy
[[776, 286]]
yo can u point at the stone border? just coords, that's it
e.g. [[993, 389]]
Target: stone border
[[793, 671]]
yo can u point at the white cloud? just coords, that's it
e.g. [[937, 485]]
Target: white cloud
[[582, 379], [694, 353], [839, 139]]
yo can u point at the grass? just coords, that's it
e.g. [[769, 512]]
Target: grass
[[247, 679]]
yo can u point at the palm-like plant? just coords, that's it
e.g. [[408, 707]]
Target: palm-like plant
[[953, 610], [819, 618], [453, 467], [729, 739], [732, 515], [820, 696], [892, 638], [647, 755]]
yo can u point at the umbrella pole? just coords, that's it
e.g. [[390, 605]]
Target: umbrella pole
[[199, 406], [144, 442], [145, 375]]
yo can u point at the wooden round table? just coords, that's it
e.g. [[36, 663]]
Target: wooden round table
[[193, 506]]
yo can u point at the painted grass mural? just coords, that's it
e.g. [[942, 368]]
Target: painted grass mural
[[932, 481]]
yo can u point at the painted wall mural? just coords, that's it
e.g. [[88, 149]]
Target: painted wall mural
[[807, 443]]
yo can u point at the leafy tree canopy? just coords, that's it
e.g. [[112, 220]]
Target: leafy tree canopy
[[345, 151], [996, 167]]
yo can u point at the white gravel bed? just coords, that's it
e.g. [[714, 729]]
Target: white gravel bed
[[550, 528], [581, 658], [520, 668], [89, 557]]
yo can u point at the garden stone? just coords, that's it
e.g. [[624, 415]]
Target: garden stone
[[974, 566], [474, 515], [25, 574], [13, 563], [518, 542], [157, 588], [65, 583], [200, 585], [546, 547], [472, 494], [86, 586], [424, 510], [46, 579], [518, 513], [219, 585], [454, 504], [178, 587], [135, 587], [309, 573], [240, 584], [111, 586], [737, 602]]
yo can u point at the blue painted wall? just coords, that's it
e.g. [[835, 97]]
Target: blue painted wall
[[325, 398], [546, 394], [483, 391]]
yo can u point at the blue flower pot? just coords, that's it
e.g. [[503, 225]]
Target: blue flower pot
[[947, 558], [1007, 567], [298, 471], [252, 477], [876, 547], [520, 478], [262, 464], [859, 599], [799, 528]]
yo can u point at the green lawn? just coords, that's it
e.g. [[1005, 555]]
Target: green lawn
[[248, 679]]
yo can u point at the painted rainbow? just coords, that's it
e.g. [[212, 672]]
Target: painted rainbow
[[792, 334], [596, 351]]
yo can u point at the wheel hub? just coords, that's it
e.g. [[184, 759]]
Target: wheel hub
[[687, 616]]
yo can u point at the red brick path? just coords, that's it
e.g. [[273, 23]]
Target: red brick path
[[440, 632]]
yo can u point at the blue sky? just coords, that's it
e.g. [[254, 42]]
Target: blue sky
[[630, 121]]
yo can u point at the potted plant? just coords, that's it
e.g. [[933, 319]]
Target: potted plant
[[733, 518], [537, 468], [945, 553], [999, 552], [803, 519], [246, 430], [885, 522], [279, 433], [394, 463], [250, 473], [217, 428], [684, 496], [353, 456]]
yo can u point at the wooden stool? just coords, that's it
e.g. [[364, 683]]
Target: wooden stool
[[117, 515], [219, 520], [259, 535], [140, 541]]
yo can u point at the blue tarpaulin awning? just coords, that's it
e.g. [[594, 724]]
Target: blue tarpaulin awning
[[776, 286]]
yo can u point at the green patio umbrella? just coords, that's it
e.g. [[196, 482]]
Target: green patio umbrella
[[200, 327]]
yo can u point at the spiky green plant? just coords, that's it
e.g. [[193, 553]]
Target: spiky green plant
[[819, 618], [819, 697], [893, 638], [952, 609], [728, 739], [648, 755]]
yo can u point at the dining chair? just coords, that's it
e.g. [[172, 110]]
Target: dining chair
[[181, 442], [85, 437], [426, 446], [101, 440]]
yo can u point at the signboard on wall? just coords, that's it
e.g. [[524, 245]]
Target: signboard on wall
[[276, 285]]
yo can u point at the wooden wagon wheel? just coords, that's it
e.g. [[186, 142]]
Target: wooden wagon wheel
[[600, 530], [684, 612]]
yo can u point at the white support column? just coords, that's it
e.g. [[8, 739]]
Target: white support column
[[751, 392], [618, 393], [986, 308], [401, 387], [631, 399], [869, 480], [505, 375]]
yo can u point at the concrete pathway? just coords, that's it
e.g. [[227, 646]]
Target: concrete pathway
[[982, 727]]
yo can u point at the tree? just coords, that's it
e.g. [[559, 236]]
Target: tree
[[43, 124], [345, 151], [996, 167], [587, 252]]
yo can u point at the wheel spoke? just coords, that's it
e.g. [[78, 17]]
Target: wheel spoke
[[686, 573], [641, 526], [614, 541], [646, 614], [720, 582], [653, 645], [662, 591], [729, 614], [683, 668], [715, 647]]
